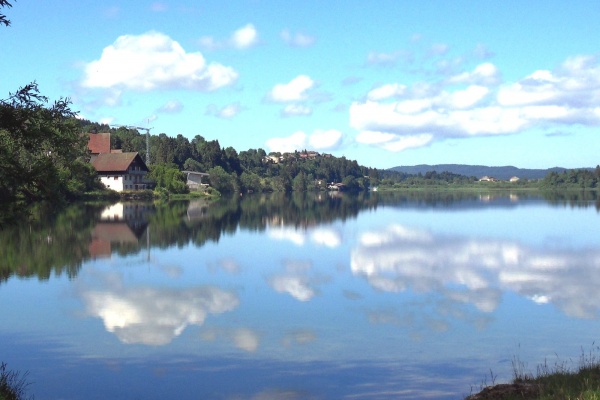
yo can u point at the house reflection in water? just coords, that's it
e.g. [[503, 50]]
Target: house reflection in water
[[121, 225], [196, 210]]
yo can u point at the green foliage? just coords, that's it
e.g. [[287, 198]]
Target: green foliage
[[80, 178], [252, 161], [41, 149], [192, 165], [128, 140], [222, 181], [168, 177], [250, 182], [299, 182], [572, 179]]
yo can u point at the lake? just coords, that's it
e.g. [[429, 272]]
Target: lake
[[312, 296]]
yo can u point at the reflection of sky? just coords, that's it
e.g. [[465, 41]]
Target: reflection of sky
[[383, 304], [154, 316], [321, 236], [474, 270]]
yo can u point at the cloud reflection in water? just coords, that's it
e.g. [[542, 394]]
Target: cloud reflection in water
[[154, 316], [297, 280], [476, 270]]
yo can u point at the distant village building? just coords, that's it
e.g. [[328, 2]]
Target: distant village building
[[309, 155], [272, 159], [291, 157], [488, 179], [514, 179], [338, 187], [117, 170]]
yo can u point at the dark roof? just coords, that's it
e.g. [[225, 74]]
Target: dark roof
[[196, 173], [99, 143], [117, 162]]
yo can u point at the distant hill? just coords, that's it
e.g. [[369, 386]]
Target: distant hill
[[478, 171]]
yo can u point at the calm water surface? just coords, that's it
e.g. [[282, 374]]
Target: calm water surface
[[298, 297]]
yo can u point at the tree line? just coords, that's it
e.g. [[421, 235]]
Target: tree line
[[251, 170], [572, 179]]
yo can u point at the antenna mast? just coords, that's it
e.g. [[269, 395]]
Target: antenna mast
[[147, 138]]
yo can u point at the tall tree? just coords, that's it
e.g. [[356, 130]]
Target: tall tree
[[41, 147]]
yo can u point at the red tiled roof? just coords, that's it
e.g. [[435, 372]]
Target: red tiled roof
[[99, 248], [116, 162], [114, 232], [99, 143]]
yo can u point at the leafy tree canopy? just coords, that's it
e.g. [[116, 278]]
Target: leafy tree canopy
[[43, 155]]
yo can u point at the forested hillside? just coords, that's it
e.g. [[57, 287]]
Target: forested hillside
[[478, 171], [248, 170], [255, 170]]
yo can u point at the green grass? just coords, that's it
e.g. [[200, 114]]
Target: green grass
[[556, 382]]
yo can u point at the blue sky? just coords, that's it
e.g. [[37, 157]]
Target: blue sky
[[386, 83]]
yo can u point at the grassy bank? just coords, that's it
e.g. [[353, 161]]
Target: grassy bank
[[556, 382]]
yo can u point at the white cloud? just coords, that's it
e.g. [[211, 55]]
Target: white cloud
[[325, 139], [226, 112], [242, 338], [300, 337], [398, 117], [483, 74], [467, 98], [382, 59], [386, 91], [295, 90], [319, 140], [294, 110], [154, 61], [482, 52], [438, 49], [245, 37], [209, 43], [171, 107], [298, 39], [242, 38], [296, 141], [246, 339]]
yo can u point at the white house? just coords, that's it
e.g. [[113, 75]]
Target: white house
[[117, 170]]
